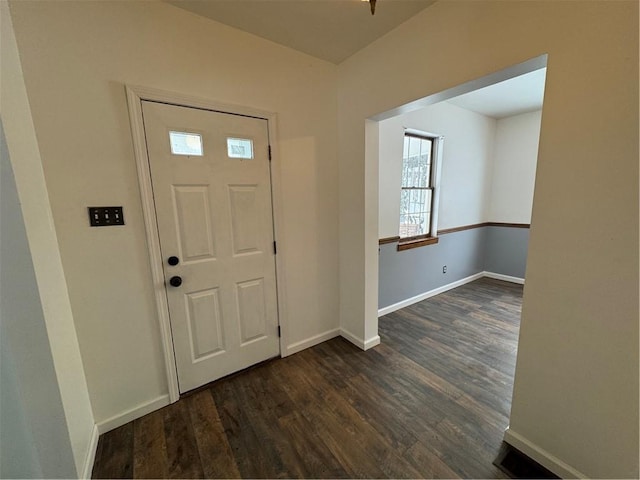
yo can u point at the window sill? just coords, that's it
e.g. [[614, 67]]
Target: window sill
[[415, 242]]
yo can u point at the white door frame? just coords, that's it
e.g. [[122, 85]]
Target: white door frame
[[135, 95]]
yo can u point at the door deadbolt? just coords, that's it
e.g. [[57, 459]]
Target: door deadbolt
[[173, 261], [175, 281]]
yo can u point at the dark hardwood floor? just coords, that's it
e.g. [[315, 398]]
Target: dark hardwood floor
[[432, 401]]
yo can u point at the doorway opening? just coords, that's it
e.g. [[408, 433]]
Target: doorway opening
[[479, 186], [480, 182]]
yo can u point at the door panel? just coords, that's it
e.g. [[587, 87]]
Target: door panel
[[251, 310], [214, 213], [205, 322], [244, 218], [193, 220]]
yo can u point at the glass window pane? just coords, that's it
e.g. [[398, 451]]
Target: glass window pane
[[415, 201], [414, 146], [416, 162], [183, 143], [425, 150], [240, 148], [415, 207], [426, 229], [416, 194]]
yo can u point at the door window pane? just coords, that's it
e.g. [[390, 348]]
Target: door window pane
[[183, 143], [240, 148]]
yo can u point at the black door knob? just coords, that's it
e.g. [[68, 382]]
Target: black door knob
[[173, 261], [175, 281]]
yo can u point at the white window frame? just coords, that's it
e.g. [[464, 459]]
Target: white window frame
[[436, 167]]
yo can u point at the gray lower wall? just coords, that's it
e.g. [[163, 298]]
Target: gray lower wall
[[408, 273], [506, 250]]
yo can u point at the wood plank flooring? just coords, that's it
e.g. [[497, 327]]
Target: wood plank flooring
[[432, 401]]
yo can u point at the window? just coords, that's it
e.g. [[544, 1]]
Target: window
[[418, 186], [185, 143], [240, 148]]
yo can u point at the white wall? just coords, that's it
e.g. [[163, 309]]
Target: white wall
[[77, 56], [34, 440], [514, 168], [488, 167], [18, 454], [576, 385], [467, 164], [576, 382], [36, 311]]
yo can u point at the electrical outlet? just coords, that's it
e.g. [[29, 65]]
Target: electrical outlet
[[444, 269]]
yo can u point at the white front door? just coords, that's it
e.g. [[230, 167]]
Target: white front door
[[212, 190]]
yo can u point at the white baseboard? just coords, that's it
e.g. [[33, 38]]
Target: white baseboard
[[136, 412], [506, 278], [311, 341], [347, 335], [91, 453], [541, 456], [328, 335], [372, 342], [430, 293], [444, 288], [359, 342]]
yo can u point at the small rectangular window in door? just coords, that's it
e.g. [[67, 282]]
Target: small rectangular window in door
[[240, 148], [184, 143]]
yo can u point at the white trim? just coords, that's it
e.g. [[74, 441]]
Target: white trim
[[134, 98], [437, 176], [91, 453], [135, 95], [444, 288], [506, 278], [371, 342], [359, 342], [347, 335], [540, 455], [511, 72], [277, 206], [429, 294], [311, 341], [132, 414]]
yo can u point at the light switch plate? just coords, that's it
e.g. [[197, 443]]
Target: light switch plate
[[105, 216]]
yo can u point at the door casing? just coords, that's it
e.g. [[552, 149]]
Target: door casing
[[135, 95]]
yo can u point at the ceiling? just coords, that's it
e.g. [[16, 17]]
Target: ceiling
[[332, 30], [514, 96]]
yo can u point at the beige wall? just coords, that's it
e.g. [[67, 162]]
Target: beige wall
[[35, 304], [576, 385], [77, 56], [576, 392], [514, 168]]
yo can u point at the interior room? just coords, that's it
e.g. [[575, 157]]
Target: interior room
[[488, 142], [102, 104]]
